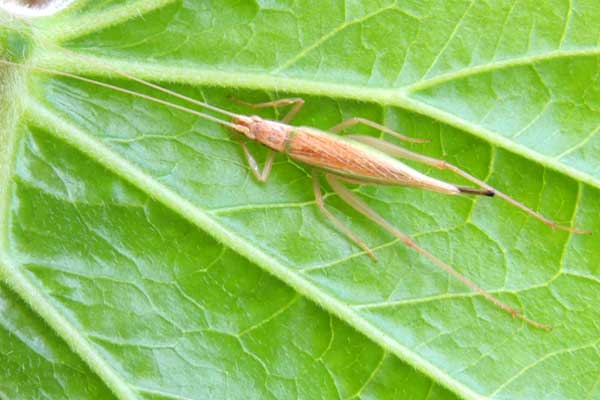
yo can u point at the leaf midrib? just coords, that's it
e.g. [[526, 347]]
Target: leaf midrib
[[11, 87], [39, 115], [73, 336], [255, 81]]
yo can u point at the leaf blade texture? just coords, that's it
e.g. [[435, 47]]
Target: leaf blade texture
[[138, 235]]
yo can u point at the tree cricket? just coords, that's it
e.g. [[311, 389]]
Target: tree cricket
[[350, 159]]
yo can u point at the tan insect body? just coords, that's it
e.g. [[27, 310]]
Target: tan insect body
[[338, 155]]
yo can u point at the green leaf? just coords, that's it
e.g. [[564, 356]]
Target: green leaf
[[163, 270]]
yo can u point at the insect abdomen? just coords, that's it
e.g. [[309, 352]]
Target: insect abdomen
[[357, 161], [335, 154]]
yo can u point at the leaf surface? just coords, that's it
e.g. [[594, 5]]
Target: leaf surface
[[138, 235]]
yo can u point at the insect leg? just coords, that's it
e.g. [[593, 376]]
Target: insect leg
[[360, 206], [335, 220], [263, 175], [356, 120], [296, 101], [396, 151]]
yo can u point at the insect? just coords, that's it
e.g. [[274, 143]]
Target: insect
[[341, 160]]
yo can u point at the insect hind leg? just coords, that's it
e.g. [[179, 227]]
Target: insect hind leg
[[339, 224], [357, 120], [397, 151], [360, 206]]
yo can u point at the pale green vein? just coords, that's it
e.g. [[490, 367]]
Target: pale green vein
[[331, 339], [503, 28], [259, 207], [539, 361], [334, 263], [121, 343], [371, 376], [567, 243], [596, 384], [384, 96], [526, 60], [591, 278], [9, 85], [87, 144], [12, 276], [271, 317], [349, 257], [535, 119], [569, 15], [449, 39], [28, 342], [158, 393], [579, 145], [430, 390], [328, 36], [82, 25], [430, 299]]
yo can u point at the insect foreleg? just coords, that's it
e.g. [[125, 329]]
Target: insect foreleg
[[396, 151], [296, 101], [339, 224], [356, 120], [364, 209]]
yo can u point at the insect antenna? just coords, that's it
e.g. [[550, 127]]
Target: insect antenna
[[236, 127], [116, 71], [154, 86]]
